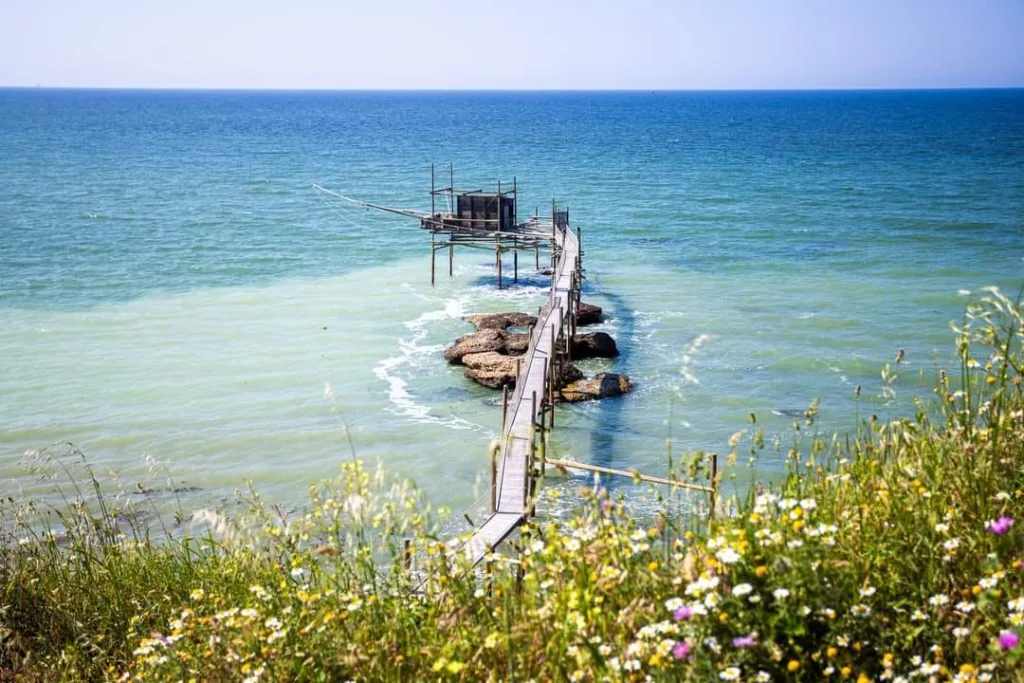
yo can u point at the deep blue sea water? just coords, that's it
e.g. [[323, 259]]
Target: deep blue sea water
[[173, 290]]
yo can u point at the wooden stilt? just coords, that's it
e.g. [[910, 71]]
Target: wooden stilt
[[433, 255], [494, 478], [497, 252], [451, 259], [712, 499], [515, 266]]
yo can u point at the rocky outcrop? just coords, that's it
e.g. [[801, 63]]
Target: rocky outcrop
[[588, 314], [491, 369], [567, 374], [501, 321], [517, 344], [479, 342], [594, 345], [491, 354], [604, 385]]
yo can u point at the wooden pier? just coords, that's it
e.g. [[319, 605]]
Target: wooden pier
[[488, 220], [530, 411]]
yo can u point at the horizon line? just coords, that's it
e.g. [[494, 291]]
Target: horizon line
[[505, 90]]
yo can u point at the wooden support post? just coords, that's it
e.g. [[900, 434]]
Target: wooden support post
[[551, 384], [494, 478], [626, 473], [407, 553], [504, 400], [451, 259], [713, 498], [433, 254], [515, 266], [536, 253], [497, 251]]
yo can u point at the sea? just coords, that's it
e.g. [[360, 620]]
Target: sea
[[179, 302]]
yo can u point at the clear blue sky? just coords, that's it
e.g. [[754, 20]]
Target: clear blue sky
[[644, 44]]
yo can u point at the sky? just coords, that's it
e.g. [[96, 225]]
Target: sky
[[512, 44]]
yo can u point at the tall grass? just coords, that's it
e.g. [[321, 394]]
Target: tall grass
[[890, 554]]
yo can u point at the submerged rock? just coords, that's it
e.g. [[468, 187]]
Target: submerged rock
[[478, 342], [604, 385], [588, 314], [501, 321], [594, 345], [491, 369]]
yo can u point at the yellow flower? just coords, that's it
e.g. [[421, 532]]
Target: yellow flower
[[845, 672], [723, 617], [793, 666], [862, 678], [831, 652], [761, 571], [652, 567], [967, 669], [798, 525]]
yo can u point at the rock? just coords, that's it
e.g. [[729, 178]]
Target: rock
[[604, 385], [491, 369], [568, 374], [478, 342], [516, 344], [594, 345], [501, 321], [588, 314]]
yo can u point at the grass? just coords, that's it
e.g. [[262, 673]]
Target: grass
[[889, 554]]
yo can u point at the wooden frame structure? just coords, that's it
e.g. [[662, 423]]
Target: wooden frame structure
[[488, 220]]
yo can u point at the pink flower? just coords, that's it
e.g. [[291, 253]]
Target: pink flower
[[681, 650], [744, 641], [1000, 526], [683, 613], [1008, 640]]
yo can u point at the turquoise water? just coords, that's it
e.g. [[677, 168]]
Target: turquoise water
[[173, 290]]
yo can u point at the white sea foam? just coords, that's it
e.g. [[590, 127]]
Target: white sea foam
[[412, 353]]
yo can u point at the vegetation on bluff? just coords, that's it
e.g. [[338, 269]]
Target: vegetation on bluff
[[896, 553]]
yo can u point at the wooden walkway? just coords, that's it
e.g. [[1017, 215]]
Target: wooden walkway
[[533, 396]]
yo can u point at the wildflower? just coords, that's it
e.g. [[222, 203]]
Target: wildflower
[[730, 674], [780, 594], [793, 666], [1000, 526], [632, 665], [937, 600], [754, 599], [683, 613], [861, 611], [763, 677], [808, 504], [1016, 605], [941, 528], [680, 650], [672, 604], [1008, 640], [867, 591], [744, 641], [965, 607], [742, 589], [728, 556], [952, 544], [606, 650], [961, 632], [989, 582], [761, 571]]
